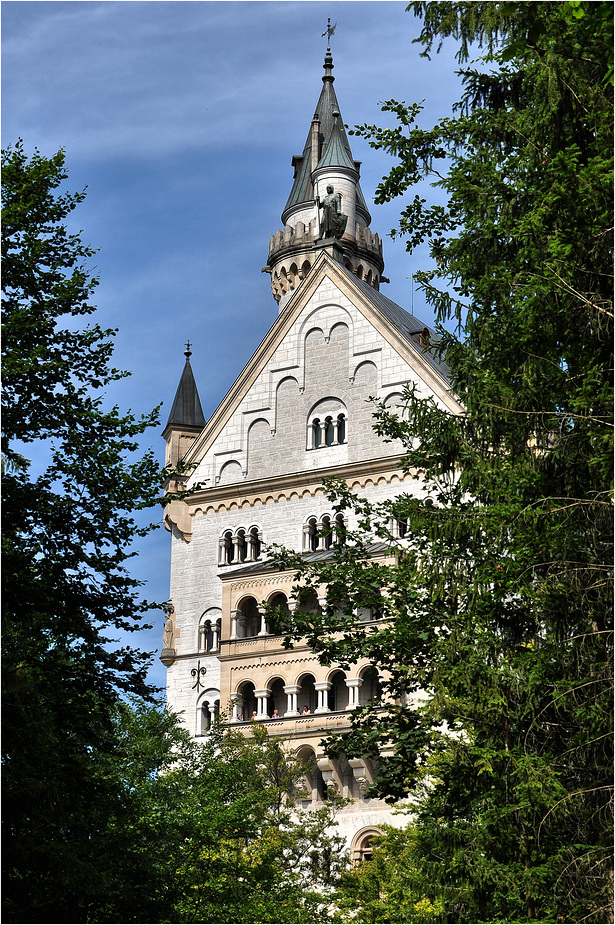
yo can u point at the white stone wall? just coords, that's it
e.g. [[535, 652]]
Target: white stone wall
[[331, 351], [331, 360], [195, 576]]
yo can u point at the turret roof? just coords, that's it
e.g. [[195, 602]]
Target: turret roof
[[337, 154], [333, 136], [186, 410]]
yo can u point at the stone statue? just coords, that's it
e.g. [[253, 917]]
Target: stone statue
[[169, 626], [333, 222]]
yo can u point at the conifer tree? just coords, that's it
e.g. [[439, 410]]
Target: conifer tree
[[68, 526], [495, 648]]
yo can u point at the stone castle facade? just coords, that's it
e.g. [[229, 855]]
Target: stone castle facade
[[296, 414]]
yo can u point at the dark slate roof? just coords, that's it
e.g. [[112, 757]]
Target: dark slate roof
[[186, 410], [373, 549], [336, 153], [409, 326], [302, 190]]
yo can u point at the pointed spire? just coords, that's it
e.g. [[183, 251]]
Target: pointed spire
[[186, 410], [302, 190], [336, 154]]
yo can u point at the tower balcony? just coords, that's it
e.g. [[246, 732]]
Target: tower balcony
[[293, 251]]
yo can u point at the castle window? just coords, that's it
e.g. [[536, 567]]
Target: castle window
[[253, 540], [208, 712], [362, 847], [209, 636], [329, 432], [225, 548], [316, 433], [324, 533], [239, 542], [371, 687], [241, 546], [341, 428], [310, 535], [327, 424]]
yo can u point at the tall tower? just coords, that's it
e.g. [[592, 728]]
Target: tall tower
[[253, 480], [326, 168]]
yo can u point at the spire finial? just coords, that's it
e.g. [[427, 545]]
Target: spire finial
[[187, 351], [328, 65], [329, 32]]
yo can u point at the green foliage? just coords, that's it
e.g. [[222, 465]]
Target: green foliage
[[68, 527], [111, 812], [389, 887], [206, 832], [497, 605]]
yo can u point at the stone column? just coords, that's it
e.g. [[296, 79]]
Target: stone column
[[223, 546], [291, 691], [261, 700], [236, 542], [263, 627], [292, 606], [237, 703], [307, 544], [321, 688], [215, 643], [235, 615], [353, 685]]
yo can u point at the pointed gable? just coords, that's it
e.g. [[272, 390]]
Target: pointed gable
[[337, 343]]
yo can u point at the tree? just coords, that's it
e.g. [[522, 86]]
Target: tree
[[498, 603], [389, 887], [207, 831], [68, 528]]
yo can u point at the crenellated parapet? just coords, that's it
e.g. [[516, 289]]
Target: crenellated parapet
[[293, 251]]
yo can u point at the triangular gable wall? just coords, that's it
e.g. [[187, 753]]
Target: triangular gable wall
[[328, 351]]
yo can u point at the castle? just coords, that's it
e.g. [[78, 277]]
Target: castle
[[296, 414]]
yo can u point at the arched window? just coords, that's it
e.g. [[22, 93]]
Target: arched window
[[325, 529], [327, 424], [208, 712], [362, 847], [209, 634], [225, 548], [371, 688], [316, 433], [241, 546], [239, 541], [339, 537], [277, 699], [324, 533], [254, 544], [337, 695], [312, 786], [247, 704], [280, 602], [329, 431], [310, 535], [341, 428], [307, 698], [249, 621]]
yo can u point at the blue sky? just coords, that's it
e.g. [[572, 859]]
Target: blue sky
[[181, 118]]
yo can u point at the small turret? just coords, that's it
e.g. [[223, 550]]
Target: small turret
[[326, 208], [186, 419]]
